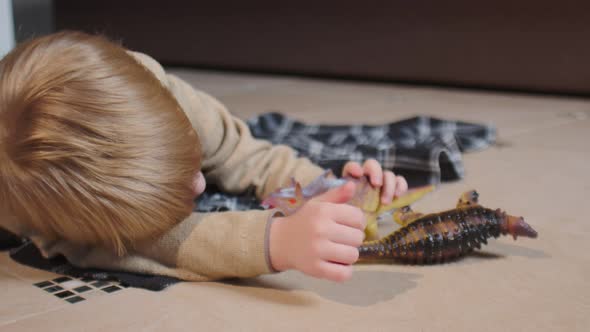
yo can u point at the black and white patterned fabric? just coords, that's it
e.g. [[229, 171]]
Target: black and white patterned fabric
[[424, 150], [28, 254]]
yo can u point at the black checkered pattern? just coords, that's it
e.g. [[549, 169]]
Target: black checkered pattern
[[75, 290], [424, 150], [28, 254]]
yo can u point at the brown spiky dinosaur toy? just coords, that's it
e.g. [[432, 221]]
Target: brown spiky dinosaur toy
[[423, 238]]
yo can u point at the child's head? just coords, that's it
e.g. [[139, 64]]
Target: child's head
[[93, 148]]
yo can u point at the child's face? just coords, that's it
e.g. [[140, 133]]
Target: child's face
[[199, 184]]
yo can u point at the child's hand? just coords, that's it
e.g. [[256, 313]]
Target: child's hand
[[321, 238], [392, 185]]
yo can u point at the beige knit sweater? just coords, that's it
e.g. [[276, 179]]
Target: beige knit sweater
[[205, 246]]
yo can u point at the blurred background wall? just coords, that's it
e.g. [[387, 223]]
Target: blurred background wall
[[23, 19], [6, 27], [32, 18], [534, 46]]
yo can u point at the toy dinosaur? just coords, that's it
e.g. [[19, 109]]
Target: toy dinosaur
[[366, 197], [430, 238], [439, 237]]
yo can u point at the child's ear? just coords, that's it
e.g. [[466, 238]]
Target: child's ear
[[199, 183]]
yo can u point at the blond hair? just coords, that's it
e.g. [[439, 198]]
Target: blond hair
[[93, 148]]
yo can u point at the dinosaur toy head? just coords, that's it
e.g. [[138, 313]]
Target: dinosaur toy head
[[516, 226]]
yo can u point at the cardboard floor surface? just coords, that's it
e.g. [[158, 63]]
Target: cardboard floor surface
[[538, 169]]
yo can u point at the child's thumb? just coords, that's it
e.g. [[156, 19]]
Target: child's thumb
[[341, 194]]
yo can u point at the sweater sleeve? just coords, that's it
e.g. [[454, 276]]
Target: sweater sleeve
[[232, 158], [203, 247]]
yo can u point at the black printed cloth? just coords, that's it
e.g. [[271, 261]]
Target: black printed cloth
[[23, 251], [425, 150], [28, 254]]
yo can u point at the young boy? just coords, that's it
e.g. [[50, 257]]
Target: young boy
[[102, 155]]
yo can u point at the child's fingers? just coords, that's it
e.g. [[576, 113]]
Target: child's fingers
[[346, 215], [389, 187], [341, 194], [373, 169], [353, 169], [346, 235], [335, 272], [339, 253], [401, 185]]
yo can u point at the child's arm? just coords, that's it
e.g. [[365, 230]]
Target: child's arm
[[203, 247], [232, 158], [319, 240]]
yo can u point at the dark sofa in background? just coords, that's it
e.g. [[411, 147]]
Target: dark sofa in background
[[537, 46]]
